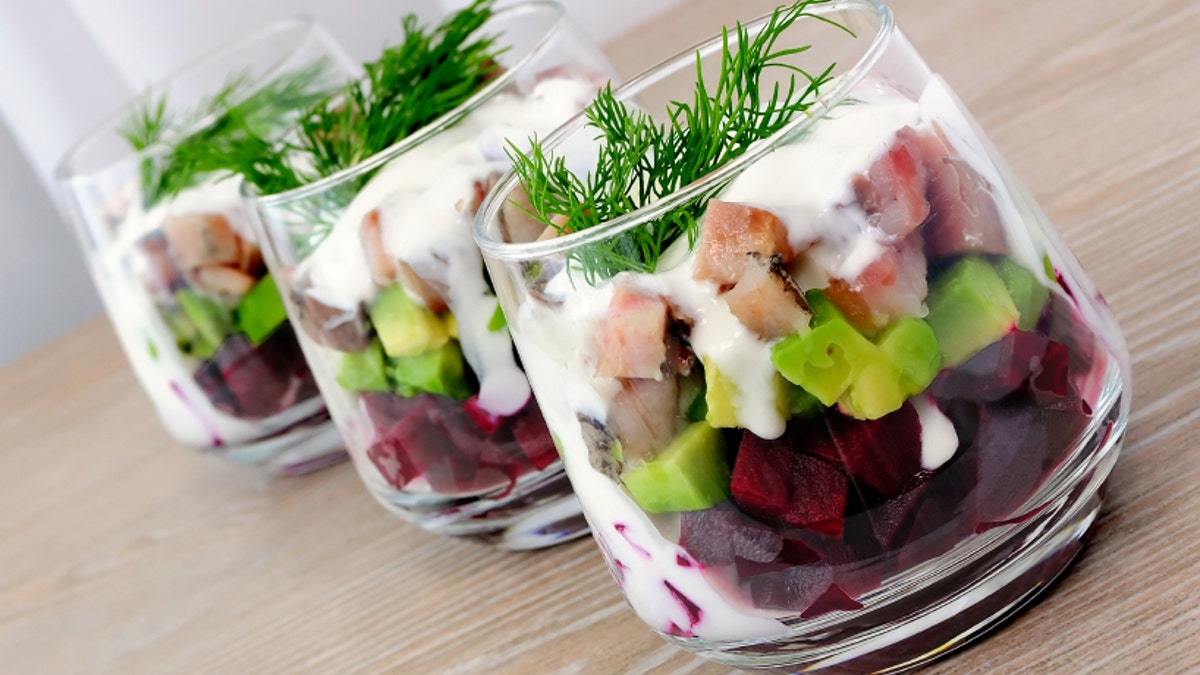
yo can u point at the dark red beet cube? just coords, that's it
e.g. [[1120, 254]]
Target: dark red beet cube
[[885, 454], [254, 383], [1017, 444], [761, 484], [834, 599], [532, 434], [777, 483], [818, 497], [718, 535], [392, 461], [995, 372], [794, 588]]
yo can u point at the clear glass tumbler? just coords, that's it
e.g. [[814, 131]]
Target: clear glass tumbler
[[398, 318], [864, 411], [169, 245]]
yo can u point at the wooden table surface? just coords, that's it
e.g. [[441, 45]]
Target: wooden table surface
[[120, 552]]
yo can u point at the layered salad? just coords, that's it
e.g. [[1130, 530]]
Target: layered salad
[[795, 389], [398, 317], [184, 281]]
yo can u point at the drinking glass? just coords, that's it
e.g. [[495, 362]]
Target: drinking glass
[[171, 253], [864, 412], [398, 320]]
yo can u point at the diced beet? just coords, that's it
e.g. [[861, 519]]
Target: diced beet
[[487, 421], [532, 434], [891, 287], [885, 454], [1017, 443], [1000, 369], [892, 191], [430, 448], [385, 410], [818, 496], [892, 520], [717, 535], [254, 382], [963, 215], [644, 416], [773, 480], [1060, 320], [761, 484], [633, 338], [794, 588], [834, 599], [392, 462], [729, 233]]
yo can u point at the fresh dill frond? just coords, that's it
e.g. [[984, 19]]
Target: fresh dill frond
[[427, 75], [218, 128], [641, 161]]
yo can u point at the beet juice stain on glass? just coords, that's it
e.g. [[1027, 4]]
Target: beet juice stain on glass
[[368, 223], [830, 390], [167, 239]]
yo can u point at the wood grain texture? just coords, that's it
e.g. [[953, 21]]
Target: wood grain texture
[[123, 553]]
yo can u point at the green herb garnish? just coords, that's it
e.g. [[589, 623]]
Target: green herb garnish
[[641, 161], [427, 75], [222, 128]]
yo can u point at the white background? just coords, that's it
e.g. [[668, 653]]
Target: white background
[[66, 64]]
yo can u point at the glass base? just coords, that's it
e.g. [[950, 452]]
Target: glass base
[[310, 445], [952, 601], [538, 511]]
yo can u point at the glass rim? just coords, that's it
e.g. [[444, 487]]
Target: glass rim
[[446, 121], [307, 28], [527, 251]]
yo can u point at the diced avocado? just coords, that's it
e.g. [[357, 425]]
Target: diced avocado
[[497, 322], [404, 327], [692, 393], [799, 402], [260, 311], [364, 371], [437, 371], [823, 310], [827, 360], [690, 474], [719, 393], [969, 309], [212, 321], [912, 348], [1027, 293], [875, 392]]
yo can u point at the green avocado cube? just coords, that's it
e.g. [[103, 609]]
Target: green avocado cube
[[875, 392], [364, 371], [212, 321], [823, 310], [719, 393], [826, 360], [404, 327], [912, 348], [260, 311], [1028, 294], [437, 371], [969, 309], [690, 474]]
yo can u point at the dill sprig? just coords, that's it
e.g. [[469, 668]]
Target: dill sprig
[[427, 75], [640, 161], [220, 126]]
